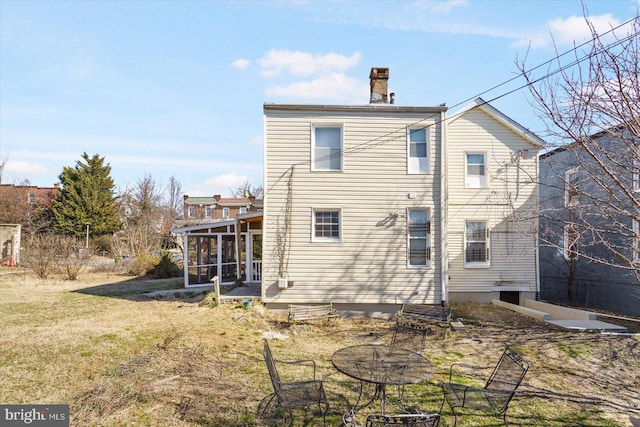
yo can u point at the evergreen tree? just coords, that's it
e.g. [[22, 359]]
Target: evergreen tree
[[87, 196]]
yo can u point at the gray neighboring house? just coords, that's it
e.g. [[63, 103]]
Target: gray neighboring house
[[589, 220]]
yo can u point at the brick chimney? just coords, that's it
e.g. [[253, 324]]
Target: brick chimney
[[379, 85]]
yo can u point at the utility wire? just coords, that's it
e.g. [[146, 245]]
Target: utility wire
[[392, 136]]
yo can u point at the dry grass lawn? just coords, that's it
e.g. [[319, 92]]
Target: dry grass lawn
[[121, 359]]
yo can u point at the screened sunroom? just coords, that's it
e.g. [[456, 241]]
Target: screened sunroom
[[230, 250]]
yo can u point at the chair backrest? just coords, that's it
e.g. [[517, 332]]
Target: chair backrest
[[507, 376], [403, 420], [410, 335], [271, 365]]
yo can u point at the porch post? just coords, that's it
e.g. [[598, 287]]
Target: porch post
[[238, 260], [185, 257]]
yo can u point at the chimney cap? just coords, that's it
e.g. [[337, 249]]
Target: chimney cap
[[379, 73]]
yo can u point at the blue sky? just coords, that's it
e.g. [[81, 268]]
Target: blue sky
[[166, 88]]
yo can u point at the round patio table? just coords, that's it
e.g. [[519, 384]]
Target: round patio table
[[381, 365]]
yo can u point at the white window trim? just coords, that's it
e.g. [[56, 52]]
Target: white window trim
[[225, 212], [567, 241], [635, 239], [313, 146], [313, 226], [429, 240], [427, 136], [208, 211], [635, 175], [484, 179], [477, 264], [191, 211], [568, 186]]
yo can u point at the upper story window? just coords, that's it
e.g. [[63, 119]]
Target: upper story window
[[419, 236], [191, 211], [208, 211], [571, 187], [418, 160], [326, 148], [476, 246], [635, 176], [243, 210], [475, 170], [31, 197], [225, 212], [326, 225]]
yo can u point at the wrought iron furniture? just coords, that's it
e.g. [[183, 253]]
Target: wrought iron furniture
[[296, 394], [434, 313], [403, 420], [299, 313], [381, 365], [496, 394], [410, 335]]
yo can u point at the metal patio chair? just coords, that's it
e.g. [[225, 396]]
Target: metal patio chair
[[410, 335], [296, 394], [403, 420], [496, 394]]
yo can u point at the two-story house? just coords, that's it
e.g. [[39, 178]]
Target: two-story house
[[217, 208], [370, 206], [589, 223]]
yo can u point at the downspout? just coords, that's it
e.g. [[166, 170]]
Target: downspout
[[444, 205], [536, 240]]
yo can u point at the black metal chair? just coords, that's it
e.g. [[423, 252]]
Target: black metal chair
[[403, 420], [410, 335], [496, 394], [296, 394]]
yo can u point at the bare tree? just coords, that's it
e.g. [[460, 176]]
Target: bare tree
[[248, 190], [590, 206]]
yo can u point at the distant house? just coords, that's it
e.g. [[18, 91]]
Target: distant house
[[199, 210], [370, 206], [16, 201], [589, 223]]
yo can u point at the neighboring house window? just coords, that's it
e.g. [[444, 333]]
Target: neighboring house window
[[32, 197], [476, 236], [225, 212], [419, 235], [191, 211], [327, 148], [207, 212], [570, 241], [636, 175], [636, 240], [571, 187], [243, 210], [418, 161], [476, 170], [326, 225]]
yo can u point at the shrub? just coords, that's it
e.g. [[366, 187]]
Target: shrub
[[166, 268]]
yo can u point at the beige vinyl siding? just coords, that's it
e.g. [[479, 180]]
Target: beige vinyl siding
[[369, 264], [507, 204]]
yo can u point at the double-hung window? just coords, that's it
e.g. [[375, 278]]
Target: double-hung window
[[191, 211], [419, 236], [571, 236], [476, 250], [635, 238], [327, 148], [571, 188], [326, 225], [418, 159], [207, 212], [225, 212], [475, 170]]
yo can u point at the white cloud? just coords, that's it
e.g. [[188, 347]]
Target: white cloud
[[21, 170], [334, 86], [303, 64], [566, 32], [241, 63], [442, 7]]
